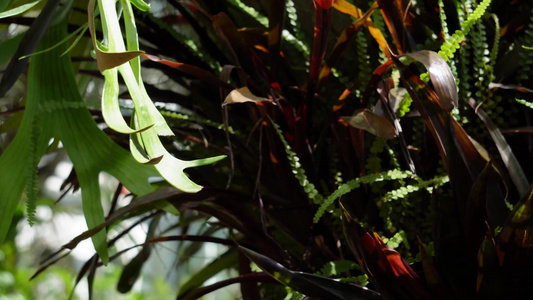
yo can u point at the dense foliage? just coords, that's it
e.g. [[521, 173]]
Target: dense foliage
[[335, 149]]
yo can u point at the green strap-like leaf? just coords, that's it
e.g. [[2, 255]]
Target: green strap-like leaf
[[26, 46], [53, 96], [147, 122], [18, 10]]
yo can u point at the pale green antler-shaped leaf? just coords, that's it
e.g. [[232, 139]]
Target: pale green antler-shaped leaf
[[147, 122], [56, 109]]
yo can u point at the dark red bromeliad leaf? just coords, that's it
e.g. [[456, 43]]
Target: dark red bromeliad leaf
[[394, 14], [505, 268], [386, 268], [324, 4], [344, 41], [464, 165]]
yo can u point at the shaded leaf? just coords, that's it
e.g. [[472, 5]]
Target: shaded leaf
[[509, 159], [395, 17], [132, 270], [310, 284], [251, 278], [224, 261], [27, 45], [347, 37], [515, 250], [489, 281], [191, 70], [393, 277]]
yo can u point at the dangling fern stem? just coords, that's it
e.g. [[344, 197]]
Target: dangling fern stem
[[297, 170], [355, 183], [32, 182], [451, 45]]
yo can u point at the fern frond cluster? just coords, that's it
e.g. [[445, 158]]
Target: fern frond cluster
[[452, 44]]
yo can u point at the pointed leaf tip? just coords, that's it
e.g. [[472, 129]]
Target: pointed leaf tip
[[441, 77], [242, 95]]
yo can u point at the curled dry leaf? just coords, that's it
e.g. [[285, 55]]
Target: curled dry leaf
[[242, 95], [371, 122]]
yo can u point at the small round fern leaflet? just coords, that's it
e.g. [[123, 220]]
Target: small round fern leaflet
[[355, 183], [297, 170], [452, 44]]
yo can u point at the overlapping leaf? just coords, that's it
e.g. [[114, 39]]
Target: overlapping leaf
[[147, 123], [56, 109], [309, 284]]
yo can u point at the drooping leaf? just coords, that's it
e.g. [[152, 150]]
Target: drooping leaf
[[392, 276], [27, 45], [18, 10], [148, 123], [59, 111], [347, 37], [441, 77], [514, 248], [191, 70], [509, 159], [309, 284], [369, 121], [395, 16], [116, 54], [225, 261], [242, 95]]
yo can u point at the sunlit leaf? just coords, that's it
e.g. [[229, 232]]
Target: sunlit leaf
[[242, 95], [18, 10], [395, 16], [60, 111], [116, 54], [369, 121], [441, 77]]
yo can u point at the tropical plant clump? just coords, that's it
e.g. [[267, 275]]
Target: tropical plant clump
[[332, 149]]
